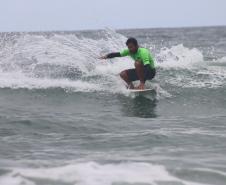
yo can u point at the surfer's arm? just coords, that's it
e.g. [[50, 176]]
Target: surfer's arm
[[111, 55], [123, 53]]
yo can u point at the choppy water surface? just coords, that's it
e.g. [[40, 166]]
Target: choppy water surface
[[66, 118]]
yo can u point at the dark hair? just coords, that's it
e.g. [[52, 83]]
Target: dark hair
[[132, 41]]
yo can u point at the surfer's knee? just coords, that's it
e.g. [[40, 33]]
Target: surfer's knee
[[138, 64], [123, 74]]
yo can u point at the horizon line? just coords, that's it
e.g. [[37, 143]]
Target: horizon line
[[116, 29]]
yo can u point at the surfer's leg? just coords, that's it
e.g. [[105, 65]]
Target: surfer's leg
[[129, 76], [149, 73], [125, 77], [140, 71]]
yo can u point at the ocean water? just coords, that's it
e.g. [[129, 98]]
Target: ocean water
[[66, 118]]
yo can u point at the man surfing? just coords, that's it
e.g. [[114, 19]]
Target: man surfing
[[144, 64]]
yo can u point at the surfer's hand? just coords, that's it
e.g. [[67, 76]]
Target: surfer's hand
[[103, 57]]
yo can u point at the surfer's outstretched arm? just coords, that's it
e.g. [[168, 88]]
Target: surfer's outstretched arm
[[111, 55]]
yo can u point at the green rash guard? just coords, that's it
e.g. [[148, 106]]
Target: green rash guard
[[143, 55]]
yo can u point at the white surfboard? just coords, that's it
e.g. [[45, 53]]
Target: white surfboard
[[145, 91], [140, 90]]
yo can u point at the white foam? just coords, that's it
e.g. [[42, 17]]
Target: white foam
[[39, 61], [222, 60], [190, 69], [92, 173], [34, 59], [179, 57], [20, 81]]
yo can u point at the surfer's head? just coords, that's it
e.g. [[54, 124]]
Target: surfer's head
[[132, 45]]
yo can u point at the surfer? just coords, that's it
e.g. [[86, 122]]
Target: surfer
[[144, 64]]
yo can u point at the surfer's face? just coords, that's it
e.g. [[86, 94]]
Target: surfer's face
[[132, 48]]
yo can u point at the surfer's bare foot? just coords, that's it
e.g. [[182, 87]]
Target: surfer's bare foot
[[141, 86]]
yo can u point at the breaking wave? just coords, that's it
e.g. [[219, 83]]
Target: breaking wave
[[69, 61]]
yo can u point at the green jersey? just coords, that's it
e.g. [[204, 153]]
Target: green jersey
[[143, 55]]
